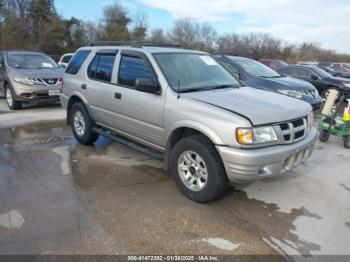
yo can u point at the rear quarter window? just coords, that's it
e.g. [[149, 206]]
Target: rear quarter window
[[77, 61]]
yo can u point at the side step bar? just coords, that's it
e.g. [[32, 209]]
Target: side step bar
[[129, 143]]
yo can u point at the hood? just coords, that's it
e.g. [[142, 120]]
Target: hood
[[289, 83], [36, 73], [260, 107], [341, 80]]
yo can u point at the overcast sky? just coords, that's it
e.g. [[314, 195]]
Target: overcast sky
[[323, 21]]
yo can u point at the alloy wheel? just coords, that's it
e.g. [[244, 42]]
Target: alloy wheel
[[193, 171], [9, 97], [79, 124]]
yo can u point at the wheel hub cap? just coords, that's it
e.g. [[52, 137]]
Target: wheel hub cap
[[9, 97], [79, 123], [193, 171]]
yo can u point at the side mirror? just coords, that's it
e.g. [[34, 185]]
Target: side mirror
[[147, 86], [63, 66], [238, 76], [314, 77]]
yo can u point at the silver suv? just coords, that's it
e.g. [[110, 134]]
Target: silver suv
[[29, 76], [209, 129]]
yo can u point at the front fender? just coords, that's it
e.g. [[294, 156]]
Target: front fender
[[202, 128]]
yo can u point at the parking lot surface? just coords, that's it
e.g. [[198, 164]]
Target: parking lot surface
[[59, 197]]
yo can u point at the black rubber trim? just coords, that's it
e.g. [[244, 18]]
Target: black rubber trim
[[129, 143]]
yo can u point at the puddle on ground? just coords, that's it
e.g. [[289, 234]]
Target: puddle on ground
[[132, 199], [266, 220], [11, 220], [222, 244]]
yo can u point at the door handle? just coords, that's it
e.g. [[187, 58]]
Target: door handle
[[117, 95], [83, 86]]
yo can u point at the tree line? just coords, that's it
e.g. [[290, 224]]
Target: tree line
[[36, 25]]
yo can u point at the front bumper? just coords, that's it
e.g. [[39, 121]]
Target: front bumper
[[26, 93], [316, 102], [244, 165]]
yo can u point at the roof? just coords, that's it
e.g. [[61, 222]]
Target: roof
[[306, 66], [234, 57], [146, 49], [23, 52]]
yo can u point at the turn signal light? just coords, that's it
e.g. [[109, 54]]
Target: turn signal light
[[245, 136]]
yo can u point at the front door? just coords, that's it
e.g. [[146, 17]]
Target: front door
[[141, 114]]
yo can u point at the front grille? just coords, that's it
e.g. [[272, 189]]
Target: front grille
[[45, 81], [51, 81], [293, 131]]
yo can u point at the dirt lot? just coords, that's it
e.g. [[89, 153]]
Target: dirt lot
[[58, 197]]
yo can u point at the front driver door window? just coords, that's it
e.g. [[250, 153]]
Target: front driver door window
[[141, 113]]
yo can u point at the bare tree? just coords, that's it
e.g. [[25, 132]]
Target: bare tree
[[157, 35], [140, 27], [186, 32], [116, 21], [191, 34], [93, 32]]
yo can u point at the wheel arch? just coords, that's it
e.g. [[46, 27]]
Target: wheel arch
[[180, 132], [75, 98]]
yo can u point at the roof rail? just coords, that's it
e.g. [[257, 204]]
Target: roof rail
[[133, 44]]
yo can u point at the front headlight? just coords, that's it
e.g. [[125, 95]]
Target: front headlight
[[256, 135], [291, 93], [311, 120], [346, 85], [23, 81]]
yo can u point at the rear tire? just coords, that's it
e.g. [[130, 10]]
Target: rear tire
[[198, 169], [347, 142], [12, 103], [324, 136], [82, 124]]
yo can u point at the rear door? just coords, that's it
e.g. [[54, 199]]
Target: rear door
[[98, 88]]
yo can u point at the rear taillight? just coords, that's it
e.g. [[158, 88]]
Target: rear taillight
[[62, 84]]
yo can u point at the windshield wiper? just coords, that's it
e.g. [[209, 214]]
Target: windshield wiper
[[221, 87], [208, 88], [193, 89], [271, 76]]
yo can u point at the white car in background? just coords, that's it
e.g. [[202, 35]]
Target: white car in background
[[65, 59]]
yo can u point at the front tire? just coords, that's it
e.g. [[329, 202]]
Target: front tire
[[324, 136], [82, 124], [347, 142], [198, 169], [12, 103]]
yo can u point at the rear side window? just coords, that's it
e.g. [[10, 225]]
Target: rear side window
[[101, 68], [77, 61], [286, 71], [230, 67], [132, 68], [301, 72], [66, 59]]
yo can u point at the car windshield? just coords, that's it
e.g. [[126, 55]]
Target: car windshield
[[194, 72], [30, 61], [257, 69], [346, 66], [322, 73]]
